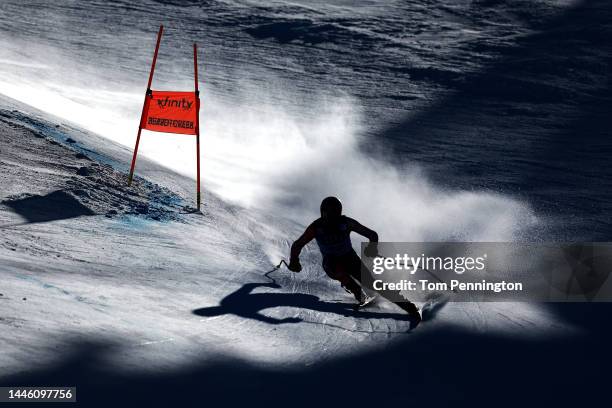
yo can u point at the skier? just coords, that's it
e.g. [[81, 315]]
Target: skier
[[340, 262]]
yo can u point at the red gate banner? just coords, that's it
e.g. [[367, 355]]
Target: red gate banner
[[170, 112]]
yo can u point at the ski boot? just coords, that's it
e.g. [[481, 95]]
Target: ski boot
[[413, 312]]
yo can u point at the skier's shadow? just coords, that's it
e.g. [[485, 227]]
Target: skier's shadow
[[249, 305]]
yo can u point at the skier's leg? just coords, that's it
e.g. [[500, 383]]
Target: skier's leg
[[337, 269], [361, 273], [353, 287]]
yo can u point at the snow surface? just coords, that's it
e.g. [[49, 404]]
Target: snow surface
[[83, 256]]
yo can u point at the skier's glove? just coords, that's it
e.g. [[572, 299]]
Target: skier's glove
[[371, 250], [294, 265]]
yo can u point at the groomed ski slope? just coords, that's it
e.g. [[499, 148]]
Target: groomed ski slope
[[85, 259]]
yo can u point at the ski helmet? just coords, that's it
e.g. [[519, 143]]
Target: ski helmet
[[331, 207]]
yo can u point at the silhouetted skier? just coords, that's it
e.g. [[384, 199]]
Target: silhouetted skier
[[340, 262]]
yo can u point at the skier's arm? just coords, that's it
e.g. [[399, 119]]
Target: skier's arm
[[296, 248], [371, 250], [361, 230]]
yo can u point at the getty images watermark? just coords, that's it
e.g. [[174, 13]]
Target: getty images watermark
[[469, 271]]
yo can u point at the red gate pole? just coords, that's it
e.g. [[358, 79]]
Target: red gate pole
[[197, 123], [159, 34]]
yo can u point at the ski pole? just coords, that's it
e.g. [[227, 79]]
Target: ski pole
[[276, 268]]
